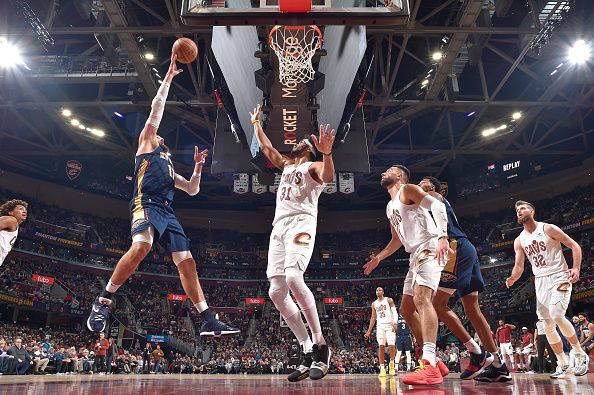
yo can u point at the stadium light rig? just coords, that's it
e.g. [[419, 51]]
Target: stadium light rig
[[74, 122], [580, 52], [10, 56]]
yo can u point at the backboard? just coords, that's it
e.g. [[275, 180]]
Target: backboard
[[323, 13]]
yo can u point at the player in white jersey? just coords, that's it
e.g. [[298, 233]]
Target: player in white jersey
[[12, 214], [292, 239], [425, 237], [541, 244], [383, 311]]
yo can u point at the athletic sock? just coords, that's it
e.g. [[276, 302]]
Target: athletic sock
[[429, 353], [298, 328], [107, 295], [562, 359], [473, 347], [577, 348], [204, 311], [496, 360]]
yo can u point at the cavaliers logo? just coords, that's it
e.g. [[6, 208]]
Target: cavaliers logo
[[73, 169], [302, 239], [564, 287], [424, 257]]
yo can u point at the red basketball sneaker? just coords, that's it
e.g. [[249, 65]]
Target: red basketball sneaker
[[443, 369], [425, 374]]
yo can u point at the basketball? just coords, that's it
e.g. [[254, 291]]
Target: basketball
[[185, 49]]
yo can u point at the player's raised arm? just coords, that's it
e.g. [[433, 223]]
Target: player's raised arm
[[556, 233], [518, 268], [265, 145], [325, 169], [371, 323], [149, 132], [416, 194], [192, 186], [393, 245]]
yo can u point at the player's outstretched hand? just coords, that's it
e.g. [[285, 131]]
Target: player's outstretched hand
[[173, 70], [573, 275], [255, 116], [370, 265], [200, 156], [324, 142], [510, 281]]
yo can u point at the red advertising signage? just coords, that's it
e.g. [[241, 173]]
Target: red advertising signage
[[259, 301], [332, 300], [42, 279], [177, 298]]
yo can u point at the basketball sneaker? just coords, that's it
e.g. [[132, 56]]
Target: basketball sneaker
[[581, 364], [321, 362], [97, 321], [382, 372], [392, 371], [214, 327], [425, 374], [561, 372], [478, 363], [443, 369], [302, 371], [494, 375]]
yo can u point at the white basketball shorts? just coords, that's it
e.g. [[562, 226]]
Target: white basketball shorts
[[385, 334], [423, 268], [291, 244], [552, 292]]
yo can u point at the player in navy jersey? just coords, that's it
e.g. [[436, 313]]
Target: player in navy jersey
[[152, 217], [462, 274], [403, 342]]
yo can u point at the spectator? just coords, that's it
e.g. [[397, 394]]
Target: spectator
[[22, 360], [158, 357], [100, 353]]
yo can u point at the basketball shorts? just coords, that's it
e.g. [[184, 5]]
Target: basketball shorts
[[162, 218], [423, 268], [462, 272], [404, 343], [291, 244], [549, 294], [527, 350], [588, 346], [506, 349], [385, 334]]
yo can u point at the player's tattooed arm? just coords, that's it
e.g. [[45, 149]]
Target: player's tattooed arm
[[518, 266], [556, 233], [265, 145]]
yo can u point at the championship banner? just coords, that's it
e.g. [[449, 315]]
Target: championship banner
[[42, 279], [258, 301], [332, 300], [274, 188], [346, 182], [241, 183], [331, 187], [176, 298], [257, 188], [73, 169]]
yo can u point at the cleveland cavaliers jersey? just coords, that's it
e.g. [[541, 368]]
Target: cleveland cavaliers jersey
[[413, 224], [544, 253], [153, 177], [383, 314], [7, 240], [297, 193]]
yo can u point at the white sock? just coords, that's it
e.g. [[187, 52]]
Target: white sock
[[111, 287], [429, 353], [306, 301], [473, 347], [562, 359], [577, 348], [201, 306], [408, 358], [298, 328]]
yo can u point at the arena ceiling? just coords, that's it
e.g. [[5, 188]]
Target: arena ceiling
[[497, 58]]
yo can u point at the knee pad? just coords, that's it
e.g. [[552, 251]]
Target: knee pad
[[180, 256], [144, 236], [551, 331]]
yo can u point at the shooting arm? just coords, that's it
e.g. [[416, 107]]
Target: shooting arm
[[157, 108], [266, 147]]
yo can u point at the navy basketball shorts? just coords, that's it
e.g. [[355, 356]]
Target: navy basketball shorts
[[404, 343], [163, 220], [463, 270]]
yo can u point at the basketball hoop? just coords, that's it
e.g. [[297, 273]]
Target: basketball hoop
[[295, 47]]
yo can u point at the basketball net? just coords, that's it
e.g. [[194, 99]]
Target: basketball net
[[295, 47]]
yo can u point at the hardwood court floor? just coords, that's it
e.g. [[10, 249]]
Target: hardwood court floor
[[269, 384]]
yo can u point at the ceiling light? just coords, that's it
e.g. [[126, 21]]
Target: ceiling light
[[436, 55], [81, 126], [149, 56], [502, 127], [425, 82], [74, 122], [117, 114], [471, 114], [66, 112], [516, 115], [580, 52], [98, 132], [488, 132], [9, 55]]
